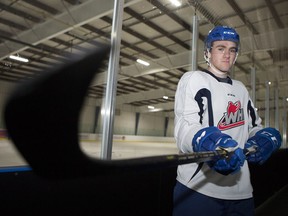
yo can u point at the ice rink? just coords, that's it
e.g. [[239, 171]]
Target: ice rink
[[9, 156]]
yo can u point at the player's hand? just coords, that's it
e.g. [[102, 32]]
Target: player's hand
[[266, 141], [212, 139], [230, 164]]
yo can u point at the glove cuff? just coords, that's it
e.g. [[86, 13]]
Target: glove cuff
[[273, 135], [201, 136], [211, 138]]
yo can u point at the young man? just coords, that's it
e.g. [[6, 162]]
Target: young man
[[212, 112]]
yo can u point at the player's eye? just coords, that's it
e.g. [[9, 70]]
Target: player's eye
[[233, 50], [220, 49]]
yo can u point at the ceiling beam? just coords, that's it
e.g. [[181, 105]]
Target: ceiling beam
[[78, 15], [274, 14]]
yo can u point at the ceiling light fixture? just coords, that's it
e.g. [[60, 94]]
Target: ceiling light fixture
[[176, 3], [156, 110], [143, 62], [165, 97], [18, 58]]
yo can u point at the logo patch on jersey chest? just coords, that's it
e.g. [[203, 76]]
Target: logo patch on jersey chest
[[234, 116]]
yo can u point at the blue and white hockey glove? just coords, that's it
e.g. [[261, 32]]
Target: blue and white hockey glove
[[266, 141], [211, 139]]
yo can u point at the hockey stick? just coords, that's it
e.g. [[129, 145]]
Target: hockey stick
[[42, 116]]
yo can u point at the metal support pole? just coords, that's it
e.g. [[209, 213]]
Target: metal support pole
[[232, 72], [253, 85], [166, 126], [267, 105], [276, 107], [195, 37], [97, 112], [285, 123], [110, 96], [137, 123]]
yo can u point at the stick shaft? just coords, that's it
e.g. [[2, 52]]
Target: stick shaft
[[42, 117], [166, 160]]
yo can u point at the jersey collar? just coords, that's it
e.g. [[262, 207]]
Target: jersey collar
[[225, 80]]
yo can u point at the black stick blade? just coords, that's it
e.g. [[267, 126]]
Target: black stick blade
[[42, 118], [42, 115]]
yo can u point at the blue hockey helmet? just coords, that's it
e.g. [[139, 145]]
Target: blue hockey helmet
[[220, 33]]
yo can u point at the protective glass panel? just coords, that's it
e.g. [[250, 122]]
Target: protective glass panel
[[157, 47]]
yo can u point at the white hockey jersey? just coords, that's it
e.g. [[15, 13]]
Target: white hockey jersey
[[203, 100]]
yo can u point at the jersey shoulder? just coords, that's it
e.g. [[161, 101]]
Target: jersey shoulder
[[240, 87], [239, 84], [192, 80], [194, 76]]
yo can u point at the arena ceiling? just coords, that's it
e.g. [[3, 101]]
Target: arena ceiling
[[47, 31]]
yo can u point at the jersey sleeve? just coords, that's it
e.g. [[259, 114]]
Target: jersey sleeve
[[187, 120]]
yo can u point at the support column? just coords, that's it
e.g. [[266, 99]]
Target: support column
[[276, 101], [137, 123], [195, 37], [97, 112], [166, 126], [267, 105], [113, 67], [253, 85], [284, 123]]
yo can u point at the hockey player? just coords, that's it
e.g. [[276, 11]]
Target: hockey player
[[213, 111]]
